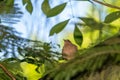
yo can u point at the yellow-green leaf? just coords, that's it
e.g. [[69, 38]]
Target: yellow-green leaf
[[58, 27]]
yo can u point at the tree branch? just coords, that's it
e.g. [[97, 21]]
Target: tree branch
[[7, 72], [106, 4]]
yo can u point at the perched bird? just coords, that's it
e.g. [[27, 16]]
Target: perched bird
[[69, 50]]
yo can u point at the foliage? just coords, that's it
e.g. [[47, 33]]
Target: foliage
[[50, 12], [6, 5], [9, 12], [92, 63], [91, 22], [12, 65], [111, 17], [29, 6], [59, 27], [29, 71], [34, 52], [78, 35]]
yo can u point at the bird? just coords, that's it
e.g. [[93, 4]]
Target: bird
[[69, 50]]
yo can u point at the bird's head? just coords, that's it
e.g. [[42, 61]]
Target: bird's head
[[66, 41]]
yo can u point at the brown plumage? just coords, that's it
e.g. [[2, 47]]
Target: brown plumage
[[69, 50]]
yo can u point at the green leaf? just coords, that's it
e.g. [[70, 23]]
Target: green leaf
[[45, 7], [24, 1], [50, 12], [56, 10], [78, 37], [29, 7], [112, 16], [89, 21], [58, 27]]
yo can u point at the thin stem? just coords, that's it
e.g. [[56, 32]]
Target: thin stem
[[7, 72], [72, 11], [106, 4]]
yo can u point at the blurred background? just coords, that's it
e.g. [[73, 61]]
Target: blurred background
[[36, 26]]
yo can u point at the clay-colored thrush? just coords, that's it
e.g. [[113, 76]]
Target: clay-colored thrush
[[69, 50]]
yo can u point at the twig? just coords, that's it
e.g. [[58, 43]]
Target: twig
[[106, 4], [7, 72], [72, 11]]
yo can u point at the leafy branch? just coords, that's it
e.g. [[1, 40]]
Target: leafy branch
[[106, 4], [7, 72]]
